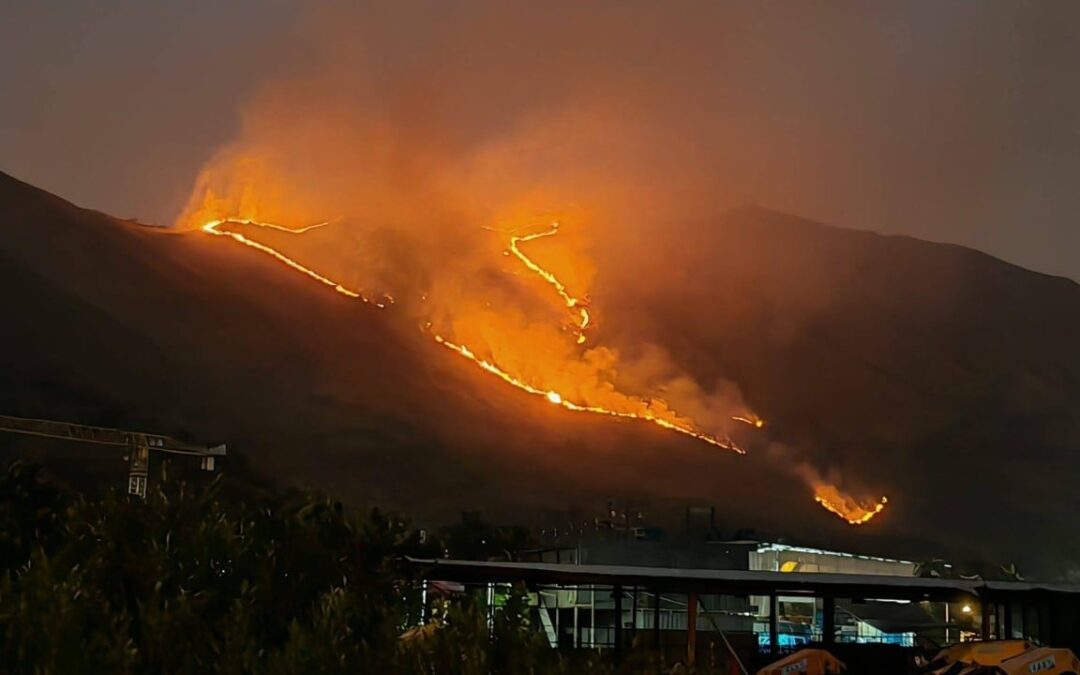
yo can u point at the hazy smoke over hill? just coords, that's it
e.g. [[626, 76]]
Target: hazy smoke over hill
[[427, 149], [918, 117], [427, 146]]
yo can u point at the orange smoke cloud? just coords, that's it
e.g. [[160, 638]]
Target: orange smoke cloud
[[439, 172]]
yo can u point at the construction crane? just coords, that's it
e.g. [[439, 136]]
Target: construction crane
[[139, 445]]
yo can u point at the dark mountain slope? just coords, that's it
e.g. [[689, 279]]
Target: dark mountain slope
[[114, 323], [941, 374]]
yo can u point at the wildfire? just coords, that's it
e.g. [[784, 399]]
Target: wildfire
[[584, 322], [571, 302], [214, 227], [750, 420], [830, 497], [847, 507], [557, 399]]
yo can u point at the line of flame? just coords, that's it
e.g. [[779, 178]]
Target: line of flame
[[572, 302], [557, 399], [214, 227], [750, 420], [858, 515]]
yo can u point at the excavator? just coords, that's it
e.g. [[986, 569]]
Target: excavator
[[137, 444], [1003, 657], [806, 662], [1041, 660]]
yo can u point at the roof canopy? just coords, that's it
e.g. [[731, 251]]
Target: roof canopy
[[733, 582]]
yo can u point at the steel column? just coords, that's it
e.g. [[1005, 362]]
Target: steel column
[[691, 628], [774, 624], [618, 623], [828, 619]]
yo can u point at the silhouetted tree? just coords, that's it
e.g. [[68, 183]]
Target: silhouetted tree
[[193, 582]]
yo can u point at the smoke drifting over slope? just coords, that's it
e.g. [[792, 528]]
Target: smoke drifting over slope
[[428, 147]]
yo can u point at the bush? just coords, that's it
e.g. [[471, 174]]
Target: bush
[[192, 583]]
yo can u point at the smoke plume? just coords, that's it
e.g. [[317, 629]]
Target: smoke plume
[[429, 136]]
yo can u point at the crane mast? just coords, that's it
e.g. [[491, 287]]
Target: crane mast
[[138, 444]]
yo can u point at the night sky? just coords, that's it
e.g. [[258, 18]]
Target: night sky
[[948, 121]]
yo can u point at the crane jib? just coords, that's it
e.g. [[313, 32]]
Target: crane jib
[[139, 444]]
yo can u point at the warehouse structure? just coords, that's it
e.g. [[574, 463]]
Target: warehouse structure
[[742, 612]]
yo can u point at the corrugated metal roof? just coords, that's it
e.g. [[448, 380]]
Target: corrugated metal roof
[[733, 581]]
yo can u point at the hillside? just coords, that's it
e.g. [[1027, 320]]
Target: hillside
[[946, 376], [118, 324]]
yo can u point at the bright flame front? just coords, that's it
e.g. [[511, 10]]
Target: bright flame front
[[830, 497], [853, 511]]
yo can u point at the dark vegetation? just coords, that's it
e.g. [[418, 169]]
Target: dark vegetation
[[193, 581]]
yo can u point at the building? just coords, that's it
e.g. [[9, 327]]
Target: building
[[708, 613], [800, 617]]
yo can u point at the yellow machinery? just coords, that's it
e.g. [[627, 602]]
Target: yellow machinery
[[138, 444], [805, 662], [1041, 660], [975, 654]]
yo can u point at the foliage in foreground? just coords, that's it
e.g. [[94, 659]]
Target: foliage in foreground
[[193, 583]]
